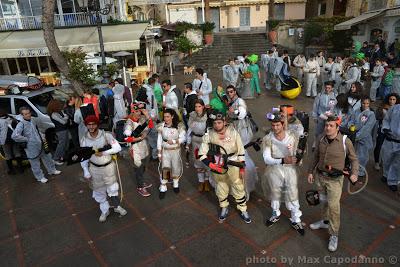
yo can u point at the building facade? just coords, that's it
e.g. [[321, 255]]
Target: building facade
[[228, 15], [381, 18], [23, 50], [330, 8]]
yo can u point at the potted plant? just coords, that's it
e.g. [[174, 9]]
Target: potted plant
[[183, 45], [273, 34], [208, 28]]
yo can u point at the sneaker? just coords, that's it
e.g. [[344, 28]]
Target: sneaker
[[272, 220], [146, 185], [393, 188], [58, 163], [319, 225], [245, 217], [56, 172], [143, 191], [176, 190], [223, 214], [120, 210], [377, 167], [333, 242], [43, 180], [103, 216], [298, 227]]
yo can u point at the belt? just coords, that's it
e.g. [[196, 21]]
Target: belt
[[327, 174], [100, 165], [198, 135], [172, 148], [338, 72], [312, 72]]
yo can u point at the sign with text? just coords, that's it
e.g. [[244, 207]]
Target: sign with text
[[33, 52]]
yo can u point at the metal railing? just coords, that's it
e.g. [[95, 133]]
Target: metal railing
[[35, 22]]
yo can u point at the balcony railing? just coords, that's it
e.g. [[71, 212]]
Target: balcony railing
[[35, 22]]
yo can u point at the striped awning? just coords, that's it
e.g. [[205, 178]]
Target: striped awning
[[18, 44]]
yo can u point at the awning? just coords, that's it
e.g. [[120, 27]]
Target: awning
[[31, 43], [357, 20]]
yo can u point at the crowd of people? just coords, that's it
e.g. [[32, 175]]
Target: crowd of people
[[215, 129]]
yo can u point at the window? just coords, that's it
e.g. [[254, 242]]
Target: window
[[9, 8], [5, 103], [257, 7], [279, 12], [41, 101], [321, 9], [18, 102]]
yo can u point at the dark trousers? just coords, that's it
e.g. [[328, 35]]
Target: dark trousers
[[139, 173], [379, 141]]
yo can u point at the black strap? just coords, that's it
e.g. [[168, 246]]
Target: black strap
[[100, 165]]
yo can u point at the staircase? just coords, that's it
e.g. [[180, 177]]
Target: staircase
[[228, 45]]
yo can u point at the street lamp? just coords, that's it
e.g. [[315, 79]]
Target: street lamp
[[93, 7]]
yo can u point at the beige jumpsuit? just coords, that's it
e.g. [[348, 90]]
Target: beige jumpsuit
[[231, 180]]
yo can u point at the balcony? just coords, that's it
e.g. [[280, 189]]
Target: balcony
[[35, 22]]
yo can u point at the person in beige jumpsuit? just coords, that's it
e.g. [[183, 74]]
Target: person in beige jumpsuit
[[228, 178]]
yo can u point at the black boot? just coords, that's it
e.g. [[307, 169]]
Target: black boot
[[11, 170]]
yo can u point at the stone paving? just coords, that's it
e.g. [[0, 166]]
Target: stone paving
[[56, 224]]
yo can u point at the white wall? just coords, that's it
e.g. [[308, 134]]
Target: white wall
[[183, 14]]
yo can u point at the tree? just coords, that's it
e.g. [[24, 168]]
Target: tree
[[51, 42]]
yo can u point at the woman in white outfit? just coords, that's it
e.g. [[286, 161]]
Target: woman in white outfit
[[197, 126], [171, 134]]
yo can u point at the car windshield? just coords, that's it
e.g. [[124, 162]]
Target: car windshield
[[41, 101]]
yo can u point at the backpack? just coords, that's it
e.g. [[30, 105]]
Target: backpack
[[179, 96]]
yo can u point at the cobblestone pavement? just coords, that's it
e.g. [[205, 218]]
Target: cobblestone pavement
[[56, 224]]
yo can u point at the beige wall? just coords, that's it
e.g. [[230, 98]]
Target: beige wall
[[258, 18], [295, 11], [230, 17]]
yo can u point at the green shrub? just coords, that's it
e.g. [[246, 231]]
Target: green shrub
[[321, 30], [79, 69], [183, 44], [207, 27]]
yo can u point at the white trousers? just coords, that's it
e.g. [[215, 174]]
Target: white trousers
[[311, 84], [100, 195]]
